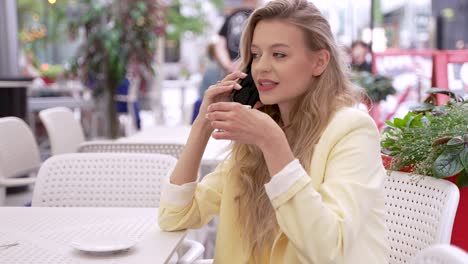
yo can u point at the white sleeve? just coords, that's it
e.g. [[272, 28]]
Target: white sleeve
[[180, 195], [284, 179]]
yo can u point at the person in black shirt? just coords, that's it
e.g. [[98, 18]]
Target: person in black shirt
[[227, 47]]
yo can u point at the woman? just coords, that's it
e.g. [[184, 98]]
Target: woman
[[303, 183]]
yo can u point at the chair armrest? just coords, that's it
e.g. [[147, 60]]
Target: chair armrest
[[188, 251], [13, 182]]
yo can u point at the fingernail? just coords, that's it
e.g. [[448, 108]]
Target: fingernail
[[238, 85], [243, 74]]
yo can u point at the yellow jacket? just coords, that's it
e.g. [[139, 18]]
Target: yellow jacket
[[332, 214]]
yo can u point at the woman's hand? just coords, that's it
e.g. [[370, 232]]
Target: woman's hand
[[220, 92], [234, 121]]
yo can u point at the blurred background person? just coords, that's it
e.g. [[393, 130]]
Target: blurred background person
[[213, 69], [359, 57], [460, 44], [213, 72], [227, 48]]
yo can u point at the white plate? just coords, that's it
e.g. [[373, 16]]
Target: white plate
[[103, 244]]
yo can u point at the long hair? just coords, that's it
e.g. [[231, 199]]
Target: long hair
[[308, 118]]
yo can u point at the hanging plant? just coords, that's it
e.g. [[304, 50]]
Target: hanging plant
[[377, 87]]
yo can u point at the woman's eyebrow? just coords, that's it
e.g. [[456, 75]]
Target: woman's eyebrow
[[276, 45]]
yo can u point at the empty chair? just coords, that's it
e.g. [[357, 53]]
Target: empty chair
[[419, 213], [172, 149], [19, 155], [441, 254], [65, 132], [102, 180], [108, 180]]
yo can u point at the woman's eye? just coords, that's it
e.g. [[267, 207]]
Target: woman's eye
[[255, 55], [279, 55]]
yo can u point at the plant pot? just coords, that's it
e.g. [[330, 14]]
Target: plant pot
[[387, 162], [460, 228], [48, 80]]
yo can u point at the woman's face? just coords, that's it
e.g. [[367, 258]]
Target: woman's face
[[282, 64]]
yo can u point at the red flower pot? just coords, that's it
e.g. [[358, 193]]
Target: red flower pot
[[460, 228], [387, 162], [47, 80]]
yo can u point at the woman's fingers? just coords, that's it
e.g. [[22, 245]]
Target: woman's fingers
[[221, 88], [226, 85], [222, 134], [225, 106], [215, 90], [218, 116], [234, 76]]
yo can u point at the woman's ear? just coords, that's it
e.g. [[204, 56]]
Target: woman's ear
[[321, 59]]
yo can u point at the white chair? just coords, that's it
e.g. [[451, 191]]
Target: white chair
[[65, 132], [108, 180], [419, 213], [19, 155], [441, 254], [172, 149]]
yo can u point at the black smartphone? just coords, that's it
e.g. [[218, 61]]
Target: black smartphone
[[248, 94]]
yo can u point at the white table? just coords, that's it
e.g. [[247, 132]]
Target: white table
[[215, 152], [15, 84], [36, 104], [44, 234]]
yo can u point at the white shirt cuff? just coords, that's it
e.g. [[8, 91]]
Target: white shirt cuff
[[180, 195], [284, 179]]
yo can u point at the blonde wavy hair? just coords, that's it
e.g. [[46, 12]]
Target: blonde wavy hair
[[329, 92]]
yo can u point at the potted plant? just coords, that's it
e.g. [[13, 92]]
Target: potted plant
[[118, 34], [50, 72], [432, 140], [124, 33], [377, 87]]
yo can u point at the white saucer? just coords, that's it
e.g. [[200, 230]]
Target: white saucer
[[102, 244]]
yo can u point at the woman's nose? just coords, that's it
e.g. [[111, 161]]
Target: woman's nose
[[263, 64]]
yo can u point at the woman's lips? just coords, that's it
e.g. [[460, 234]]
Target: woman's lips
[[265, 85]]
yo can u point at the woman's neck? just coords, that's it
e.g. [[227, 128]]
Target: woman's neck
[[284, 113]]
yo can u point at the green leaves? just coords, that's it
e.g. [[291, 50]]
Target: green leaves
[[448, 163], [378, 87], [435, 143], [464, 158], [424, 107], [454, 159], [462, 179], [452, 95], [396, 131]]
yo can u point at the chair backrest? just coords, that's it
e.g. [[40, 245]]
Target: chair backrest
[[102, 180], [441, 254], [19, 153], [65, 132], [420, 211], [172, 149]]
